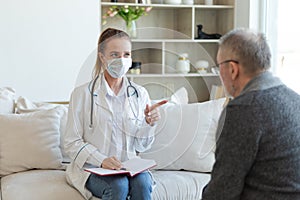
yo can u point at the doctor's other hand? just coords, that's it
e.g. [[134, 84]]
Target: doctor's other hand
[[152, 113], [111, 163]]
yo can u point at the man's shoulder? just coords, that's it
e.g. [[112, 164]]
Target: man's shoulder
[[267, 96]]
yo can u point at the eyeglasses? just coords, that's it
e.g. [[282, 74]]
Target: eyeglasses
[[216, 69]]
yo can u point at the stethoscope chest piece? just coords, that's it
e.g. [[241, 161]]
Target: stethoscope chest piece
[[130, 91]]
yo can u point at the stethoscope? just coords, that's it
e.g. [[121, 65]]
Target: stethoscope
[[93, 83]]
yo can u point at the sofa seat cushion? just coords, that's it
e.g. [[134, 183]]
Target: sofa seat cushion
[[52, 184], [179, 185], [38, 185]]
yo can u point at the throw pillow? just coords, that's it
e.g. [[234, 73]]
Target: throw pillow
[[30, 141], [7, 100], [180, 96], [24, 105], [185, 136]]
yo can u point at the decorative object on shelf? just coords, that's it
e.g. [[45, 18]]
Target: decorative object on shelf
[[215, 70], [203, 35], [183, 64], [201, 66], [135, 68], [209, 2], [129, 14]]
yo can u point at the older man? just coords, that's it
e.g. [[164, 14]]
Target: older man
[[258, 138]]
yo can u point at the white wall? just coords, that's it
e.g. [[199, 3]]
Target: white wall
[[249, 14], [242, 13], [43, 44], [260, 15]]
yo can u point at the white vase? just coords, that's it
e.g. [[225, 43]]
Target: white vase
[[183, 64], [131, 28]]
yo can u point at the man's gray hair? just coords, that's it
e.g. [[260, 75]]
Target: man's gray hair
[[248, 48]]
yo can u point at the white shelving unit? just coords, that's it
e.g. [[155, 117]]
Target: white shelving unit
[[169, 30]]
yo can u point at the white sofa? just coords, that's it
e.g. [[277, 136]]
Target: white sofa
[[31, 159]]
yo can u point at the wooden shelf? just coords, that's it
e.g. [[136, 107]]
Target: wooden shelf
[[169, 30]]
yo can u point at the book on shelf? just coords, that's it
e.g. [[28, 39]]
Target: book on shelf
[[130, 167], [217, 92]]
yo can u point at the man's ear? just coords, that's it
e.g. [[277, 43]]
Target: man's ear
[[235, 70]]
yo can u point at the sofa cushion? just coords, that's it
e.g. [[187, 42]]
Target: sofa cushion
[[179, 185], [24, 105], [52, 184], [30, 141], [185, 136], [180, 96], [38, 185], [7, 100]]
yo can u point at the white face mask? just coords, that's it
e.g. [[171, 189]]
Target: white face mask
[[118, 67]]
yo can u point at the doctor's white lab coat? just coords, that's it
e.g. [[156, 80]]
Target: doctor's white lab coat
[[85, 144]]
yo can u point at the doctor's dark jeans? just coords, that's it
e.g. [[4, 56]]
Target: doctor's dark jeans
[[121, 187]]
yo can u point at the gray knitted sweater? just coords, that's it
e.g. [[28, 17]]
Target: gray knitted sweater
[[258, 145]]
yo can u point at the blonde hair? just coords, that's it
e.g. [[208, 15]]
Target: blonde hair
[[106, 35]]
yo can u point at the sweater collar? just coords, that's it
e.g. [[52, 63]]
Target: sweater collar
[[262, 81]]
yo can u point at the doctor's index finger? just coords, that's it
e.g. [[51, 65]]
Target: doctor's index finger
[[158, 104]]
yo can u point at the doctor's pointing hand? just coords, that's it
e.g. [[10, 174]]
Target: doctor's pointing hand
[[152, 113]]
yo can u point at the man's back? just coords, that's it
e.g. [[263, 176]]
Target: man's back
[[258, 151], [274, 114]]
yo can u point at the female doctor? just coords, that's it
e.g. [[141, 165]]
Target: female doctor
[[109, 120]]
